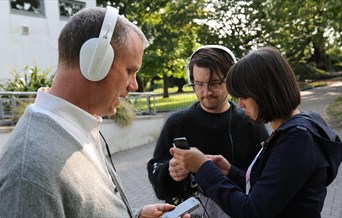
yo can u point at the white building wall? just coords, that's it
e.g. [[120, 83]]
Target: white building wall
[[39, 46]]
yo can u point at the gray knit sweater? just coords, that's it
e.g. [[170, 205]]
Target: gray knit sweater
[[44, 172]]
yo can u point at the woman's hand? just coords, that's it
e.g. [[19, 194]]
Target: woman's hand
[[191, 159], [221, 163], [176, 171], [157, 210]]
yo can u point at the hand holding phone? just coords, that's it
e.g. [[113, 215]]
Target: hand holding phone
[[186, 206], [181, 142]]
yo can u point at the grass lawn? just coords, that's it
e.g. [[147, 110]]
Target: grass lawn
[[335, 111]]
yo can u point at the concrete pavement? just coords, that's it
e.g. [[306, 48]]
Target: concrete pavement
[[132, 164]]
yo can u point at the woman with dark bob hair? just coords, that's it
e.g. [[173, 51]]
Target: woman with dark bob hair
[[289, 176]]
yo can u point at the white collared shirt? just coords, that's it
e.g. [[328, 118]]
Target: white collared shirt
[[83, 126]]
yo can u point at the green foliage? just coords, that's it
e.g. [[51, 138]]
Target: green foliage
[[309, 71], [30, 80], [124, 114], [19, 110], [172, 32], [157, 84], [335, 111], [336, 59], [304, 30]]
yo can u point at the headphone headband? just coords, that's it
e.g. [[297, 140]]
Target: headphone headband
[[223, 48], [108, 25]]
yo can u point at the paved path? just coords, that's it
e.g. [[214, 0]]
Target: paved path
[[131, 164]]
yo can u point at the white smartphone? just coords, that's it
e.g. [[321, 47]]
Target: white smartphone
[[186, 206], [181, 142]]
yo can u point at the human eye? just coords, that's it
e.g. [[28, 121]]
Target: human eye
[[216, 84], [132, 70], [200, 84]]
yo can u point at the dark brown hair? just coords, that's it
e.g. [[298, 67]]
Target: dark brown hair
[[216, 60], [267, 77]]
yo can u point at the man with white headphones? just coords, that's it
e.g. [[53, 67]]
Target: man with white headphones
[[213, 124], [53, 164]]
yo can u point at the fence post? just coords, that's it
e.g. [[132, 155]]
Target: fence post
[[13, 104], [148, 103], [1, 109]]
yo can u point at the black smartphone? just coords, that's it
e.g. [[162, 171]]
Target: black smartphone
[[186, 206], [181, 142]]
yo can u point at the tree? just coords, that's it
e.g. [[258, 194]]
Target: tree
[[309, 29], [303, 29], [172, 31]]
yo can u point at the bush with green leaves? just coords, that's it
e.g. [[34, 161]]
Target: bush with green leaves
[[124, 114], [30, 80], [309, 71]]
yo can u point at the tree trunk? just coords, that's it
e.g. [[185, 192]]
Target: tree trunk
[[165, 86], [321, 59]]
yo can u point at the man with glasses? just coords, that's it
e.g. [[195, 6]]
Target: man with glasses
[[213, 124]]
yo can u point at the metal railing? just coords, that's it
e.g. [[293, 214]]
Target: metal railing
[[141, 107], [143, 102], [9, 102]]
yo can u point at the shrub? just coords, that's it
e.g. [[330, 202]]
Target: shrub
[[309, 71], [19, 110], [124, 114], [30, 80]]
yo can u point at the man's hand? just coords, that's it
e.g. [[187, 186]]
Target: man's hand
[[176, 171], [157, 210]]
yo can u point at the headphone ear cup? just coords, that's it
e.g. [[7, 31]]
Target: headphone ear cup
[[95, 66], [97, 54], [187, 70]]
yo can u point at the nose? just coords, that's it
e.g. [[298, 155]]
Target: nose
[[206, 90], [132, 84]]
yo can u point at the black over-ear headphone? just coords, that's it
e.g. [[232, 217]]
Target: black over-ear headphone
[[225, 49], [97, 55]]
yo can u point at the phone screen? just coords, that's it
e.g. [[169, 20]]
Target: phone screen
[[186, 206], [181, 142]]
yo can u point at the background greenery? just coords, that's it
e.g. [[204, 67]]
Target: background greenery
[[307, 32]]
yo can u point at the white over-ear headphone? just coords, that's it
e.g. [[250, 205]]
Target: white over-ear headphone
[[229, 52], [97, 55]]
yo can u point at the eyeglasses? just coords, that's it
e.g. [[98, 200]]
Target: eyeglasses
[[212, 86]]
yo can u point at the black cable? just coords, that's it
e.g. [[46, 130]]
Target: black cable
[[230, 135], [233, 158], [114, 179], [204, 206], [108, 151]]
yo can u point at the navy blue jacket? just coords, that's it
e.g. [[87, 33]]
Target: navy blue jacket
[[289, 178]]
